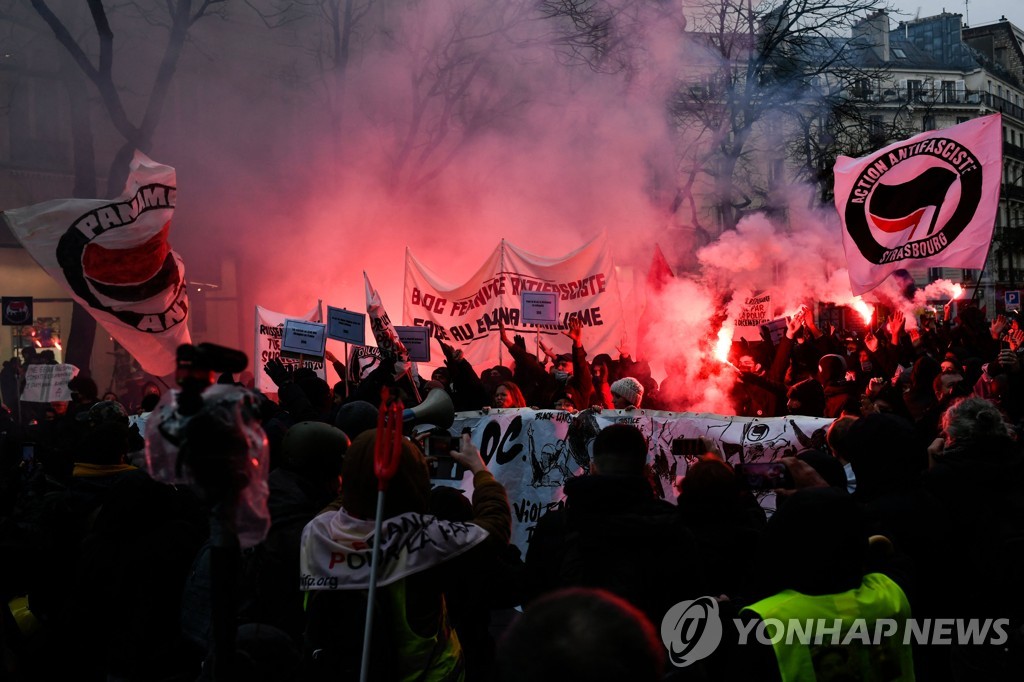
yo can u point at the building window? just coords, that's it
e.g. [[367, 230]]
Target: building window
[[929, 122], [948, 91], [876, 129], [914, 89], [862, 88]]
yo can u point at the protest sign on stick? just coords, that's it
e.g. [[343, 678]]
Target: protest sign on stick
[[268, 332]]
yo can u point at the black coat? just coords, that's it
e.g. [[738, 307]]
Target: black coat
[[615, 534]]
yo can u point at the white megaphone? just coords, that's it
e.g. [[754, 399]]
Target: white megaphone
[[437, 409]]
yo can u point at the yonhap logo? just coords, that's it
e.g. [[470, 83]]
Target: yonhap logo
[[691, 630]]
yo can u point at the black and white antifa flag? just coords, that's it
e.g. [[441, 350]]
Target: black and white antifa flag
[[115, 259]]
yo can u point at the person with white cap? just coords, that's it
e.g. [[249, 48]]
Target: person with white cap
[[627, 393]]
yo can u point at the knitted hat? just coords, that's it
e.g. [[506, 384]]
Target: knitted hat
[[831, 368], [628, 389], [103, 412]]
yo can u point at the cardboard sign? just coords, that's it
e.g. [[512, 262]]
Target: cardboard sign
[[756, 311], [303, 338], [48, 383], [417, 341], [347, 326], [539, 307]]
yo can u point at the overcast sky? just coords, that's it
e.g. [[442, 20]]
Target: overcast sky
[[976, 12]]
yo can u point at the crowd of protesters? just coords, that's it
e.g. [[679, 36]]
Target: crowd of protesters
[[913, 507]]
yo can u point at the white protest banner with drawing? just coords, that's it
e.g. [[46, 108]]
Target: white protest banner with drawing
[[467, 316], [534, 452], [48, 383]]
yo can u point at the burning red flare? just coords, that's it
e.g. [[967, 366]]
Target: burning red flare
[[724, 344], [865, 310], [958, 291]]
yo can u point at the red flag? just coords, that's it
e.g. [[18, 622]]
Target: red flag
[[658, 276]]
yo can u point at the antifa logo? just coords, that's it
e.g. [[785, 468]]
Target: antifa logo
[[880, 205], [691, 630], [757, 432], [17, 312], [894, 208], [142, 285]]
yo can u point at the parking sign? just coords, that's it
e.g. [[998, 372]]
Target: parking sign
[[1012, 299]]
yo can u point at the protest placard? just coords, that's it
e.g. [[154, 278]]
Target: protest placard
[[346, 325], [301, 337], [48, 383]]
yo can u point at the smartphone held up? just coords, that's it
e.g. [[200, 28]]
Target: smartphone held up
[[442, 466], [764, 476]]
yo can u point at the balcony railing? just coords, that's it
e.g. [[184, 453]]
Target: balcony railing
[[928, 94]]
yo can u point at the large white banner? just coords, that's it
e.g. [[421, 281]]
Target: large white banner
[[533, 452], [930, 201], [115, 259], [467, 316], [269, 326]]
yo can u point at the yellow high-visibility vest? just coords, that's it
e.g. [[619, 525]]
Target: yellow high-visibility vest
[[882, 659], [437, 658]]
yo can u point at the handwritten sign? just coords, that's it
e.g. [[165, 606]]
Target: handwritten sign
[[540, 307], [417, 341], [756, 311], [346, 325], [303, 338], [48, 383]]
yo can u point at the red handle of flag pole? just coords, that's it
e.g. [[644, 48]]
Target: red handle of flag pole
[[385, 463], [389, 440]]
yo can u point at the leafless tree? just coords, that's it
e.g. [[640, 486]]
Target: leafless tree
[[757, 72], [176, 17]]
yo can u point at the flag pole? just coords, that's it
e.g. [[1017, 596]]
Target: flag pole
[[344, 379], [977, 284], [387, 452]]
